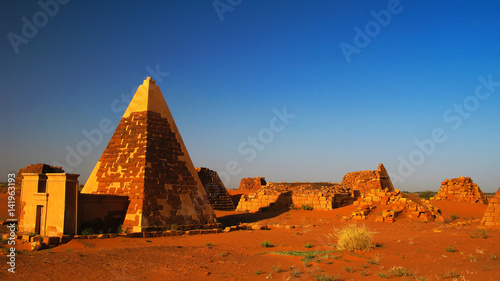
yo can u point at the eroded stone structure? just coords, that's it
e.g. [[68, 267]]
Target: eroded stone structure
[[491, 218], [389, 204], [460, 189], [215, 189], [252, 183], [37, 169], [365, 181], [318, 196], [146, 160]]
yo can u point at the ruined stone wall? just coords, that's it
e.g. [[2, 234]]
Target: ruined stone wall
[[365, 181], [396, 203], [37, 169], [252, 183], [216, 191], [319, 196], [460, 189], [491, 218]]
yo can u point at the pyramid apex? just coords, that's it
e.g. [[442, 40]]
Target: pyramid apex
[[149, 80], [148, 98]]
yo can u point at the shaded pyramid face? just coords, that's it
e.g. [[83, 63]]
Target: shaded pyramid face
[[147, 160]]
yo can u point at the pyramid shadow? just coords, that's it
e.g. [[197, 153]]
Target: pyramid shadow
[[265, 213]]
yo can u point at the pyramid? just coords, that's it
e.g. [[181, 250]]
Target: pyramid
[[365, 181], [491, 218], [147, 160], [216, 191], [460, 189]]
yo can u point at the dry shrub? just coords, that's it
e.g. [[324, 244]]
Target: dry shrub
[[352, 237]]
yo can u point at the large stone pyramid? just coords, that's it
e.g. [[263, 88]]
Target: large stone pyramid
[[491, 218], [147, 160]]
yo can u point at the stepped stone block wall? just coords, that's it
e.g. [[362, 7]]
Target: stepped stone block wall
[[252, 183], [460, 189], [319, 196], [398, 203], [491, 218], [216, 191], [365, 181], [36, 169]]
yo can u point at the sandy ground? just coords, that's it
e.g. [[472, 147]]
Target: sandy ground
[[417, 248]]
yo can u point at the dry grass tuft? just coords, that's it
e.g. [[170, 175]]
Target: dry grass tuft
[[352, 237]]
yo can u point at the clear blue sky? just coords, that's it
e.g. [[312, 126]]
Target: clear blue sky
[[399, 81]]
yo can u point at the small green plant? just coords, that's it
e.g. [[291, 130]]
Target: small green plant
[[383, 275], [399, 271], [486, 268], [479, 233], [174, 227], [295, 273], [454, 217], [451, 274], [349, 269], [451, 249], [223, 254], [298, 233], [209, 244], [364, 266], [266, 244], [324, 277], [87, 231], [259, 272], [493, 257], [308, 245], [375, 260], [307, 264], [278, 269], [352, 237], [307, 207], [363, 273], [472, 258]]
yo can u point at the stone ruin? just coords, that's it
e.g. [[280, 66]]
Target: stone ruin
[[460, 189], [365, 181], [38, 169], [491, 218], [318, 196], [215, 189], [252, 183], [390, 204], [378, 192]]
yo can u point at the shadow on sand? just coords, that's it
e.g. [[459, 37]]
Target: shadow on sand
[[282, 205]]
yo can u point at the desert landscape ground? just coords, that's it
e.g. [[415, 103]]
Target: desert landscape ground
[[299, 248]]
